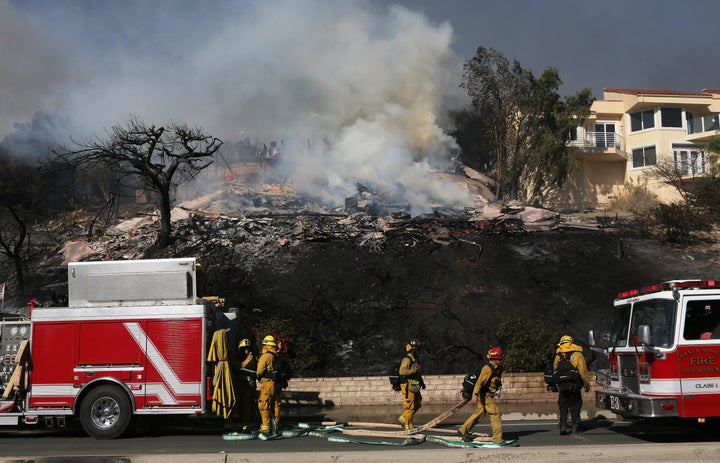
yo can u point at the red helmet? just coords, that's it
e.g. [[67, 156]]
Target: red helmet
[[495, 354]]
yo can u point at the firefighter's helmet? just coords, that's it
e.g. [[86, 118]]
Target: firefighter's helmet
[[413, 344], [565, 339], [269, 340], [495, 354], [244, 343]]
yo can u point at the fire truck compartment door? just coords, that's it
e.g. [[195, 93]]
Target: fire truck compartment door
[[174, 362], [107, 344]]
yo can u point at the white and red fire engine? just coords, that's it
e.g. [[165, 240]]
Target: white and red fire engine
[[132, 341], [664, 352]]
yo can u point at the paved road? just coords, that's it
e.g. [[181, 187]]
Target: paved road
[[604, 440]]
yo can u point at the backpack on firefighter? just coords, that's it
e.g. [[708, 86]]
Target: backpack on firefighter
[[565, 376], [468, 385], [548, 376], [396, 379], [281, 372], [470, 380]]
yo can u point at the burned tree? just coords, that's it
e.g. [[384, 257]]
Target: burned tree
[[158, 158], [20, 195]]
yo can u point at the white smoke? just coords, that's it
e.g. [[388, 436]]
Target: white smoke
[[363, 82]]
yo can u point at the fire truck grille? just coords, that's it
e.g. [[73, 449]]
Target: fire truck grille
[[628, 369]]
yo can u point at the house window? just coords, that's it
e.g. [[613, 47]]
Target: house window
[[690, 120], [711, 123], [642, 120], [642, 157], [689, 160], [671, 117], [605, 135]]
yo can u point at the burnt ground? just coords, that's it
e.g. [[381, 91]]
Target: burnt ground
[[349, 290], [453, 297]]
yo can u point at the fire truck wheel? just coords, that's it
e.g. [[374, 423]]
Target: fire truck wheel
[[105, 412]]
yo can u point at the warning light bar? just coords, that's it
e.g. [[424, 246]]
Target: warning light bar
[[668, 285]]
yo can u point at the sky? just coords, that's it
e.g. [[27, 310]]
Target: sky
[[669, 44], [372, 79]]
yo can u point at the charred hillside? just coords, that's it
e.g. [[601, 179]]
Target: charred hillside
[[349, 285], [360, 304]]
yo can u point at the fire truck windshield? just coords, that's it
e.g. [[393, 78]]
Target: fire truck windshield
[[658, 314]]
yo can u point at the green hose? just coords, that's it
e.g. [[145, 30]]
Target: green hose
[[416, 439]]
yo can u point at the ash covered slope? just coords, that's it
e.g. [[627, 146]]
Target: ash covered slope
[[357, 285]]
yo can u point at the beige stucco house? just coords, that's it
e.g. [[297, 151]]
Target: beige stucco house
[[628, 133]]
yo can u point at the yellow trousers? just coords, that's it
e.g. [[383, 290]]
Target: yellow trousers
[[485, 406], [412, 401], [269, 404]]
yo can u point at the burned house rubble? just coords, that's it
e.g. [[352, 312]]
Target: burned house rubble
[[349, 282], [268, 216]]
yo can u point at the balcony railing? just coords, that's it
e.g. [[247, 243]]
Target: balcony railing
[[600, 140], [692, 168]]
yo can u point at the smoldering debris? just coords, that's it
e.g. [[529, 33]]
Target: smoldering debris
[[262, 218]]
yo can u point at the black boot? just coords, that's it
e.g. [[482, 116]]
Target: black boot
[[564, 429]]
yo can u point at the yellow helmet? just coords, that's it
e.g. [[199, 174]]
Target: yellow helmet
[[269, 340], [565, 339], [244, 343]]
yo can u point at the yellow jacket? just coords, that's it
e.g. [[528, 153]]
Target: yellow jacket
[[488, 380], [576, 359], [265, 363], [410, 368]]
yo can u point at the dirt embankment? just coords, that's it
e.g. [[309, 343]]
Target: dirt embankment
[[452, 297], [353, 288]]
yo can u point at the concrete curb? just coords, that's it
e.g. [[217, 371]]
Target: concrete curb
[[641, 453]]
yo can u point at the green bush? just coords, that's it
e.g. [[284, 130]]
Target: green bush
[[527, 343], [302, 350]]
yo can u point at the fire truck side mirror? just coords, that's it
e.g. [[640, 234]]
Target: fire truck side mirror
[[644, 334], [591, 338]]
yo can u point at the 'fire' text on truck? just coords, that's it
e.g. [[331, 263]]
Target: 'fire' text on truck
[[663, 352]]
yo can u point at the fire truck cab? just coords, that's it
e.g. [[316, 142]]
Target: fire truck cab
[[132, 341], [663, 352]]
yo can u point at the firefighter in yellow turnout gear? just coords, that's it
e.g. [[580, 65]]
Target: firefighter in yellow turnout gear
[[410, 389], [488, 384], [270, 394], [571, 397]]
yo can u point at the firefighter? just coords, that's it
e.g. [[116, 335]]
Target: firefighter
[[246, 383], [487, 386], [270, 396], [571, 398], [410, 389]]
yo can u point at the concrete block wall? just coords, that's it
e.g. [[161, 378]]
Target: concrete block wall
[[441, 389]]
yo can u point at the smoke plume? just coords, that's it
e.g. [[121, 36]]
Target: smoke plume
[[357, 87]]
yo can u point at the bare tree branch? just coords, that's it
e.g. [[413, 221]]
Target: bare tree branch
[[161, 158]]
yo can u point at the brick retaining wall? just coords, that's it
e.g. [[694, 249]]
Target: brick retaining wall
[[441, 389]]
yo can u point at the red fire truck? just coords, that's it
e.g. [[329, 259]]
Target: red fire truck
[[132, 341], [663, 352]]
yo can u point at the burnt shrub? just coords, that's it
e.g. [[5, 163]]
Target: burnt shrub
[[680, 220]]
